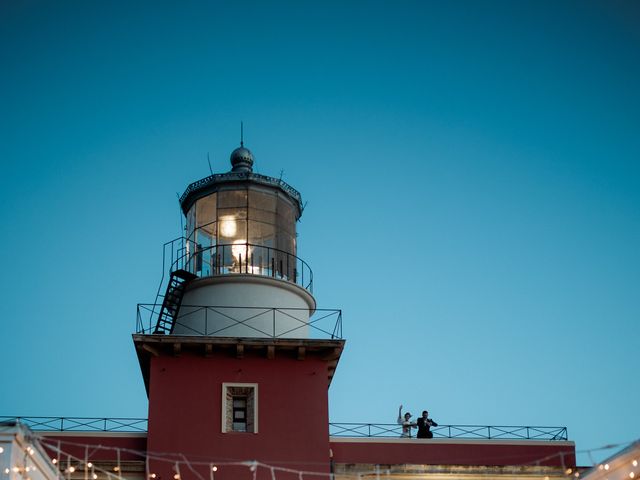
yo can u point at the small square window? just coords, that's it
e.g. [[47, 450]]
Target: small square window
[[240, 407]]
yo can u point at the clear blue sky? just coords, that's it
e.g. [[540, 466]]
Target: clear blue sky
[[471, 170]]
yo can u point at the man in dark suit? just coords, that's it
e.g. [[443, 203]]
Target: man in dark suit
[[424, 426]]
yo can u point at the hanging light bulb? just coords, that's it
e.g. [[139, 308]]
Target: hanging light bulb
[[54, 461], [7, 471], [634, 463], [1, 450], [94, 476], [606, 466], [214, 468]]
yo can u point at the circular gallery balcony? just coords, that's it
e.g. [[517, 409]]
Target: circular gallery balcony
[[237, 258]]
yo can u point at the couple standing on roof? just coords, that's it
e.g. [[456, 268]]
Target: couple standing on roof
[[423, 424]]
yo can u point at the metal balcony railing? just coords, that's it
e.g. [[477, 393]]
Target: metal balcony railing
[[230, 258], [79, 424], [376, 430], [226, 259], [258, 321], [486, 432]]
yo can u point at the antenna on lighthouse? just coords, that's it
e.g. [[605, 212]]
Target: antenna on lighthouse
[[209, 162], [180, 213], [241, 134]]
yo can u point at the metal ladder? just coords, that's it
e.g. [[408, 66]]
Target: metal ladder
[[172, 301]]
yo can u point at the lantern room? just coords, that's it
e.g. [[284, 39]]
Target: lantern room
[[241, 222], [239, 255]]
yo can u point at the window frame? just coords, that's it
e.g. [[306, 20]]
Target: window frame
[[226, 393]]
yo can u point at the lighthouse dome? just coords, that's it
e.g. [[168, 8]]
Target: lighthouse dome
[[241, 160]]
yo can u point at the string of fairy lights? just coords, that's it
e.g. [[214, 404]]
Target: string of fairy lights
[[68, 466]]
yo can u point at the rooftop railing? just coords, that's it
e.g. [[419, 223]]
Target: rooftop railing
[[210, 320], [349, 430], [485, 432], [79, 424]]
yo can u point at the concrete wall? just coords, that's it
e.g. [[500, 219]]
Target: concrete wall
[[294, 306]]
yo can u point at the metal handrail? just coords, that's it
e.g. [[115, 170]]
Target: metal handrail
[[80, 424], [486, 432], [230, 258], [175, 245], [376, 430], [147, 313], [181, 253]]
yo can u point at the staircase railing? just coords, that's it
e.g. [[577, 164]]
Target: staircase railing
[[172, 301]]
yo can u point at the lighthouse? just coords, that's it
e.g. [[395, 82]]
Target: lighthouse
[[237, 363], [234, 363]]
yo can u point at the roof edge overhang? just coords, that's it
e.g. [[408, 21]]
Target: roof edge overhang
[[149, 346], [213, 183]]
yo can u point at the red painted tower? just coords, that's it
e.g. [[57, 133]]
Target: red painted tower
[[234, 362]]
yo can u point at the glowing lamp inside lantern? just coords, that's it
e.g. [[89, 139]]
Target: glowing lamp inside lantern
[[228, 226]]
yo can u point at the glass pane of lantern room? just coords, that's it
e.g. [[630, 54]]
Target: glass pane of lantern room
[[205, 234], [261, 233], [232, 198], [262, 215], [206, 212], [191, 222], [261, 200], [286, 217], [262, 240], [285, 261], [232, 239], [190, 242], [232, 225], [285, 227]]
